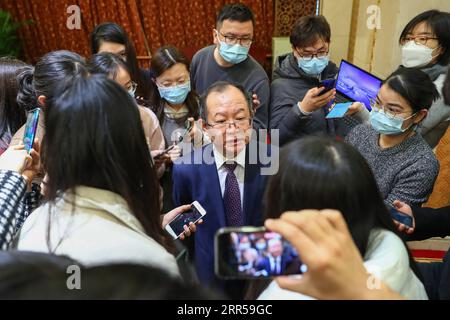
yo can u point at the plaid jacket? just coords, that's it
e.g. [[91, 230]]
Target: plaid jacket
[[15, 205]]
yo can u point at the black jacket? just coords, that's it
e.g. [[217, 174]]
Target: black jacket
[[434, 223], [289, 86], [431, 223]]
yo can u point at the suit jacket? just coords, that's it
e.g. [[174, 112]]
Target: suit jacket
[[199, 181], [265, 265]]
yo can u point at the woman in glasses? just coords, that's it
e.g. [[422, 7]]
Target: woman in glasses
[[110, 37], [425, 45], [404, 165], [115, 68]]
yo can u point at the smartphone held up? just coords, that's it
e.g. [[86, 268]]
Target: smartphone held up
[[328, 85], [176, 227], [401, 217], [254, 253], [31, 128]]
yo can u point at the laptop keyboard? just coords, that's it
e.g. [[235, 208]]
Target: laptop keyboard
[[341, 99]]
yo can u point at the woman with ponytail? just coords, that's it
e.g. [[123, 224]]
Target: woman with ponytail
[[37, 85]]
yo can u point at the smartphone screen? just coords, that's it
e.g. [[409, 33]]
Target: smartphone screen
[[30, 129], [252, 253], [193, 215], [401, 217]]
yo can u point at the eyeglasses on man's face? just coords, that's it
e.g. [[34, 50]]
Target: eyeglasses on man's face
[[242, 123], [233, 40], [309, 56]]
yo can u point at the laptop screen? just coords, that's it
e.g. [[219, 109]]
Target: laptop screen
[[357, 84]]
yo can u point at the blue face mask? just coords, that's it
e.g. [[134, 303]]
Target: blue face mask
[[245, 246], [261, 246], [233, 54], [175, 94], [381, 123], [314, 66]]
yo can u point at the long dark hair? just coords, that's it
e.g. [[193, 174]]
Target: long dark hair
[[112, 32], [439, 23], [164, 59], [35, 275], [83, 146], [12, 115], [48, 73], [319, 173]]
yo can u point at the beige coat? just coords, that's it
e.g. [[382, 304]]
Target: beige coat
[[99, 229]]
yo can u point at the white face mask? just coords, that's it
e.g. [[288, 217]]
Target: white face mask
[[416, 55]]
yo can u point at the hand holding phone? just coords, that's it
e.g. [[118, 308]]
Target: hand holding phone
[[338, 110], [165, 151], [335, 265], [254, 253], [401, 209], [179, 225], [402, 218], [15, 158], [328, 84], [313, 100]]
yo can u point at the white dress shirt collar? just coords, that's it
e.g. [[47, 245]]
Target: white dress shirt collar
[[220, 159], [239, 171]]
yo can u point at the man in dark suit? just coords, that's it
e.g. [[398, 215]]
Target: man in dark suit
[[276, 262], [228, 176]]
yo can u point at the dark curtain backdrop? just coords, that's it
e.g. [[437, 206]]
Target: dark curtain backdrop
[[187, 24], [183, 23]]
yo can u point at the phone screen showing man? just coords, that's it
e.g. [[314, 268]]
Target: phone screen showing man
[[261, 255], [184, 219]]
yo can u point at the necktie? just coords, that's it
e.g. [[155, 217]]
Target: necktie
[[272, 266], [278, 265], [275, 265], [232, 198]]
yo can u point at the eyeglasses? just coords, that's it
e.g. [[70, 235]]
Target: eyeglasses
[[388, 111], [418, 39], [319, 55], [238, 124], [232, 40], [133, 86]]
